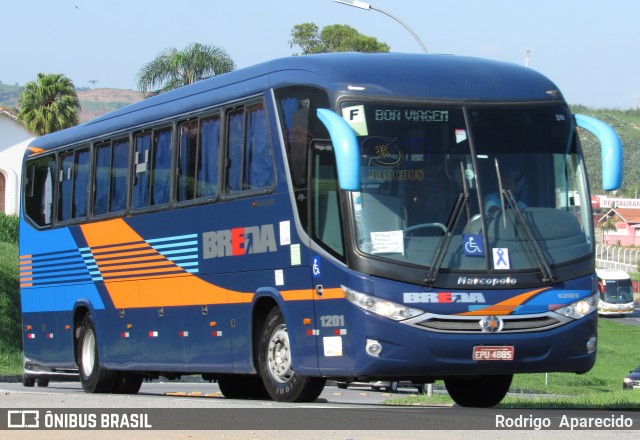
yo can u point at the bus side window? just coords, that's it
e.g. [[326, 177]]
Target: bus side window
[[207, 171], [38, 194], [141, 170], [160, 174], [65, 186], [81, 167], [119, 170], [325, 199], [102, 178], [234, 151], [249, 164]]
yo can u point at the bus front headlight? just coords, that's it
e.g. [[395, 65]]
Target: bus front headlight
[[382, 307], [579, 309]]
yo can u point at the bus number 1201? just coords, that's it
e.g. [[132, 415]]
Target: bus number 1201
[[332, 321]]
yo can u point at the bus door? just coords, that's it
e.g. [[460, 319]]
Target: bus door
[[327, 273]]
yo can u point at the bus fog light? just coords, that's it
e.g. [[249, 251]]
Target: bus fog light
[[373, 347], [592, 344]]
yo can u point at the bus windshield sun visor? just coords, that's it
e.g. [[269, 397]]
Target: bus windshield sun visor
[[611, 147], [345, 147]]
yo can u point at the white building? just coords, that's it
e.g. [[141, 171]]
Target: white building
[[13, 142]]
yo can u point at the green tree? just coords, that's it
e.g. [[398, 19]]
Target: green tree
[[49, 104], [173, 68], [333, 38]]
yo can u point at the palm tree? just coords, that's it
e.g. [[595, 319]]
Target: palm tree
[[172, 68], [49, 104]]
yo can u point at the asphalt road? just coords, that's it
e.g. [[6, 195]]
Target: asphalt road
[[631, 319]]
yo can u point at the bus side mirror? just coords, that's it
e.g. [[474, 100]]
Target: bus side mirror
[[345, 147], [610, 147]]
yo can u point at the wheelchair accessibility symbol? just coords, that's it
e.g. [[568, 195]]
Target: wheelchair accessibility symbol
[[473, 245], [316, 267]]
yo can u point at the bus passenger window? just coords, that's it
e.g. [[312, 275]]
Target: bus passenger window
[[141, 171], [80, 184], [38, 193], [258, 161], [249, 163], [207, 171], [102, 176], [161, 167], [187, 154], [234, 151], [119, 170], [65, 186]]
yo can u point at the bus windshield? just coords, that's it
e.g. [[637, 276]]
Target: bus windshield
[[469, 188], [617, 291]]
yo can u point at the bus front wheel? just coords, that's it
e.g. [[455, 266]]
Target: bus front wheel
[[275, 361], [480, 391], [93, 377]]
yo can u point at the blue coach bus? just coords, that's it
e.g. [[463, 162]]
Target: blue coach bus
[[335, 216]]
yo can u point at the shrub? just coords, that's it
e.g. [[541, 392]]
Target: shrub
[[8, 228]]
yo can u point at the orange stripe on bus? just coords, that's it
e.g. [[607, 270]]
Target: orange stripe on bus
[[24, 257], [147, 287], [122, 249], [504, 307], [109, 232]]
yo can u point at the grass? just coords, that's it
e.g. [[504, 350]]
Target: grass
[[600, 388]]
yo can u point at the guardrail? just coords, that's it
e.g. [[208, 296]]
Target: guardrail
[[617, 257]]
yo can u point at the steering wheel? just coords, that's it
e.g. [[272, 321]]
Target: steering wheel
[[425, 226]]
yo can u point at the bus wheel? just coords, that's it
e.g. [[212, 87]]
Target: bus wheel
[[94, 379], [281, 382], [243, 386], [28, 381], [128, 383], [479, 392]]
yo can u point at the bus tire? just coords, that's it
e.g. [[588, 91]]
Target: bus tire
[[128, 383], [480, 391], [275, 362], [93, 377], [28, 381], [243, 386]]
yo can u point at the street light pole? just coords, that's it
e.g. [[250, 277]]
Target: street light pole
[[367, 7]]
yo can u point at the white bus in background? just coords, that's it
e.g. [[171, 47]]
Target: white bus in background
[[616, 292]]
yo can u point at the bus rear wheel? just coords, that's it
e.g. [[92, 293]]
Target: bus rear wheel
[[93, 377], [275, 361], [480, 391]]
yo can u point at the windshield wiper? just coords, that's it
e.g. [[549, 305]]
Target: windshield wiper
[[443, 245], [454, 216], [543, 265]]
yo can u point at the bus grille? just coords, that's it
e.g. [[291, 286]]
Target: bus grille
[[466, 325]]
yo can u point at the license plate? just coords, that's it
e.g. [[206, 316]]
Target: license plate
[[488, 353]]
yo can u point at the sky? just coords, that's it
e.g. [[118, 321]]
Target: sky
[[590, 49]]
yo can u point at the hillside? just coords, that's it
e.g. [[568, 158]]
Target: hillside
[[93, 102], [96, 102]]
